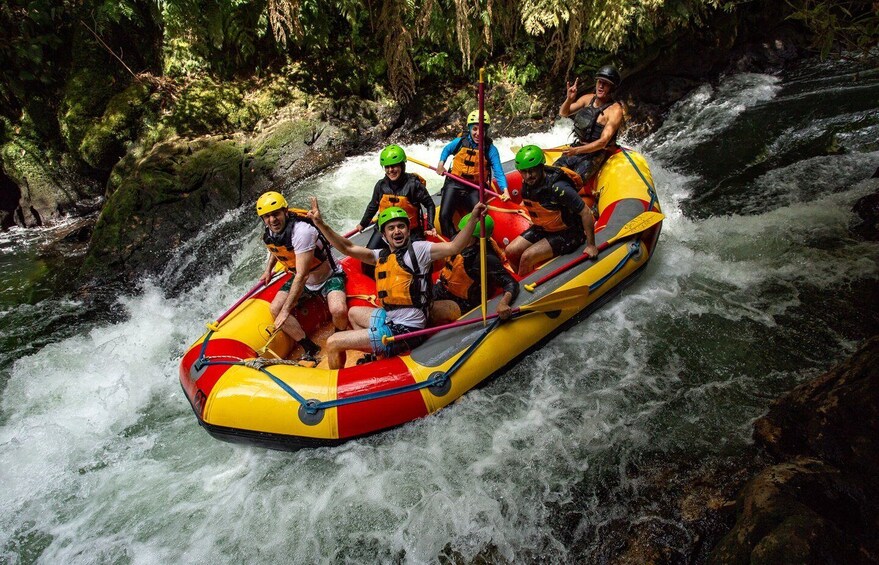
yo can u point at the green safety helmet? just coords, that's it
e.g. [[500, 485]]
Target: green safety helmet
[[529, 157], [473, 118], [392, 213], [269, 202], [489, 225], [392, 155]]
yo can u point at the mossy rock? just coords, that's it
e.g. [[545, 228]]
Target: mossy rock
[[83, 101], [175, 190], [105, 141], [49, 184]]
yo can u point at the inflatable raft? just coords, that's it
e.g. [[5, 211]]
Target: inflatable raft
[[243, 389]]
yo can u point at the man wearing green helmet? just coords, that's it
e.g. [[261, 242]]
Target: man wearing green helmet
[[293, 241], [403, 275], [597, 119], [458, 289], [561, 222], [403, 190], [465, 164]]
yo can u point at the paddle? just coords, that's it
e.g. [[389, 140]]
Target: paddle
[[634, 226], [559, 300], [515, 148], [214, 326], [454, 177], [481, 151]]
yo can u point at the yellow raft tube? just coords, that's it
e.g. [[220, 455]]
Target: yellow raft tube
[[243, 391]]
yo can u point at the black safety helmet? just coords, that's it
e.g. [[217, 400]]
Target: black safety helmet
[[609, 74]]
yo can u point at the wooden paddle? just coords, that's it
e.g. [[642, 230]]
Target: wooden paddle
[[634, 226], [559, 300]]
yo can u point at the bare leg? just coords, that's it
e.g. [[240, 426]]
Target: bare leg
[[535, 255], [338, 305], [291, 325], [359, 316], [444, 311], [515, 250], [340, 342]]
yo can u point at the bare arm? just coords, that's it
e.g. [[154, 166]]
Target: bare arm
[[457, 245], [572, 103], [344, 245], [589, 230], [303, 260], [614, 120], [270, 267]]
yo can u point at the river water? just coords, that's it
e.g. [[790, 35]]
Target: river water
[[756, 286]]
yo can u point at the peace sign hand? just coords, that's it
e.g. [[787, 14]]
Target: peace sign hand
[[572, 90]]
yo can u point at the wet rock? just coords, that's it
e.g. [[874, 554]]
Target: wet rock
[[820, 503], [866, 226], [834, 417], [801, 511]]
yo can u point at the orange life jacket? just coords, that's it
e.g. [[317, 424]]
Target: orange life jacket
[[465, 164], [399, 286], [550, 218], [389, 199], [454, 276], [279, 245]]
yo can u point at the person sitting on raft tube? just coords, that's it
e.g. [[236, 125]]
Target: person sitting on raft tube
[[292, 239], [561, 222], [403, 190], [455, 196], [402, 283], [597, 119], [458, 289]]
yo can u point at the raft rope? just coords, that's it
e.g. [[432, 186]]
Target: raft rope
[[438, 379], [650, 189], [633, 249]]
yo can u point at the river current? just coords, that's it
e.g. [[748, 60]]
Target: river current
[[756, 286]]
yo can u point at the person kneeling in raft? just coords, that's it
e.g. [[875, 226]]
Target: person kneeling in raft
[[561, 222], [458, 289], [402, 275], [294, 242]]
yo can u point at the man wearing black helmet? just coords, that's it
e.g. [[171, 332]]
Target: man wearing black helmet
[[597, 118]]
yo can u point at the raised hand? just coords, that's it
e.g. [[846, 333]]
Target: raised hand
[[572, 90], [314, 213]]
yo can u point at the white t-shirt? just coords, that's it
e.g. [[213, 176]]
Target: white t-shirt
[[305, 239], [411, 317]]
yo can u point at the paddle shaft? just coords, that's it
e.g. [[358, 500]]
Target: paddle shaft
[[481, 149], [634, 226], [453, 177], [258, 286]]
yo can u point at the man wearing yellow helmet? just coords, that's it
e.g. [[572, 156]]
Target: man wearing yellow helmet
[[403, 275], [458, 289], [293, 241], [465, 164]]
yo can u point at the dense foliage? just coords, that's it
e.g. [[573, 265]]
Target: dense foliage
[[62, 62]]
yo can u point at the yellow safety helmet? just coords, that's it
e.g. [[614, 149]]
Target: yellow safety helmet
[[473, 118], [269, 202]]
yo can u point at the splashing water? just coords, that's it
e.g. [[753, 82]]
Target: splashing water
[[755, 286]]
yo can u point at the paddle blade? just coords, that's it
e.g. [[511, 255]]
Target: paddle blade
[[568, 299], [637, 225]]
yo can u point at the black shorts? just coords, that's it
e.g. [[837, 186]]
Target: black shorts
[[561, 242], [441, 293]]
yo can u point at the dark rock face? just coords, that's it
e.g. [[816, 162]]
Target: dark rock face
[[867, 210], [821, 503]]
